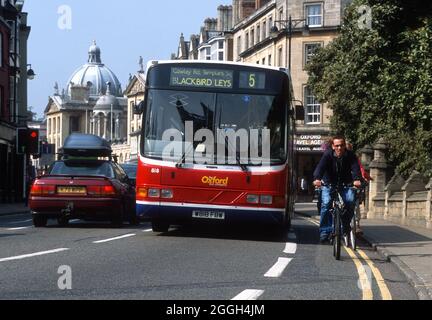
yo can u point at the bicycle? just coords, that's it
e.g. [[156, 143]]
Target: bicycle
[[338, 210]]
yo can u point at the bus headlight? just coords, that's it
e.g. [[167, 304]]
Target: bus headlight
[[267, 200], [253, 199], [167, 194], [154, 193]]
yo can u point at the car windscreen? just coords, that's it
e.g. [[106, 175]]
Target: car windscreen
[[75, 168], [130, 169]]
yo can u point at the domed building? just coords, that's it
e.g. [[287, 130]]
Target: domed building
[[92, 103]]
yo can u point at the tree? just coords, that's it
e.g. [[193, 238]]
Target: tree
[[378, 81]]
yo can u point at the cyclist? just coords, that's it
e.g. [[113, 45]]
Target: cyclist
[[366, 179], [338, 167]]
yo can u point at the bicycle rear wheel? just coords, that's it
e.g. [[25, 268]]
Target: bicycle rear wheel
[[337, 242]]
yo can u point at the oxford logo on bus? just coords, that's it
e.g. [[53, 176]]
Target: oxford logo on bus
[[215, 181], [236, 147]]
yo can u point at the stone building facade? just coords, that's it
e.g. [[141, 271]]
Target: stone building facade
[[92, 103]]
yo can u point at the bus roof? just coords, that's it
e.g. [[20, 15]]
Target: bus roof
[[211, 62]]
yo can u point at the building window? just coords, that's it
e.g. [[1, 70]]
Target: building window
[[58, 125], [239, 45], [258, 34], [270, 60], [270, 25], [247, 41], [280, 57], [313, 108], [55, 125], [264, 30], [264, 61], [314, 15], [74, 125], [221, 44], [208, 53], [252, 37], [310, 50], [221, 56]]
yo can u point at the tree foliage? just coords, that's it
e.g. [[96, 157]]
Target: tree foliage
[[378, 81]]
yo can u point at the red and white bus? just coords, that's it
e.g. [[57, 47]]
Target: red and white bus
[[195, 163]]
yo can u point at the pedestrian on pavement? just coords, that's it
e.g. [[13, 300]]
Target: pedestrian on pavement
[[338, 167]]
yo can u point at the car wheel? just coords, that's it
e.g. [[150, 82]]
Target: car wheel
[[134, 221], [158, 226], [40, 221]]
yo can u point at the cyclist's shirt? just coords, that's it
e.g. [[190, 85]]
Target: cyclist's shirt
[[332, 170]]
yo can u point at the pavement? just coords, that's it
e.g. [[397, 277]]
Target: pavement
[[409, 248], [7, 209]]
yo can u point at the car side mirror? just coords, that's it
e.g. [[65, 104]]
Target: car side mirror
[[139, 108]]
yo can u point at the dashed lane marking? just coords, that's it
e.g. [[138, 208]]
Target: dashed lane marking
[[33, 255], [116, 238], [277, 270], [384, 290], [364, 282], [17, 229], [290, 248], [248, 295]]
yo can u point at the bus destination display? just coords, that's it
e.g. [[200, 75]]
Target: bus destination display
[[202, 78], [252, 80]]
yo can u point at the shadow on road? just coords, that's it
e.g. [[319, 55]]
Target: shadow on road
[[243, 232]]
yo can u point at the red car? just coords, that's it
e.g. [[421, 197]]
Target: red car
[[82, 187]]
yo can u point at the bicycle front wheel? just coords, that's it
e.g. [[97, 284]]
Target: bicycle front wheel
[[337, 243]]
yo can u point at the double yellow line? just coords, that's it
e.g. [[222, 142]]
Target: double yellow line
[[365, 281]]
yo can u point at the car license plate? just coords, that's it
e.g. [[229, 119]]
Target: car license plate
[[72, 190], [213, 215]]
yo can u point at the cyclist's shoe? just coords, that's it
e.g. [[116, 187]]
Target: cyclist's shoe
[[346, 239], [325, 240]]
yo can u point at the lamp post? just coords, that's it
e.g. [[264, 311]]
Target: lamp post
[[288, 26], [30, 73]]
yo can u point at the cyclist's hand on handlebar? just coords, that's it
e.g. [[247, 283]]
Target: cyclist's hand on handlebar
[[317, 184], [357, 184]]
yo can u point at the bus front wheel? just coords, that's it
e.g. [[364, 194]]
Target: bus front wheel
[[159, 226]]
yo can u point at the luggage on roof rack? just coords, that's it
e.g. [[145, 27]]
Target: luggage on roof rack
[[86, 145]]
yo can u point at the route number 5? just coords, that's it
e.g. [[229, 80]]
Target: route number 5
[[252, 80]]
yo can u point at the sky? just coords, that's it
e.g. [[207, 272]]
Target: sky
[[63, 30]]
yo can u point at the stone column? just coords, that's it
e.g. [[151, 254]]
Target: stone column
[[378, 172], [106, 127], [366, 157], [429, 204]]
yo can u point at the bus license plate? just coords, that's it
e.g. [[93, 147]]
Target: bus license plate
[[213, 215]]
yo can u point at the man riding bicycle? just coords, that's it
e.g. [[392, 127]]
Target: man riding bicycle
[[338, 167]]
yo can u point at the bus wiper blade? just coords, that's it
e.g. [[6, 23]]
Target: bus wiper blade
[[181, 163]]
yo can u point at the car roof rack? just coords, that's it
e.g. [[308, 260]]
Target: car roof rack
[[86, 145]]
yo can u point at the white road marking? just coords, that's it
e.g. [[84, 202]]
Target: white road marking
[[116, 238], [248, 295], [291, 248], [19, 222], [277, 270], [33, 255], [148, 230], [16, 229], [75, 220]]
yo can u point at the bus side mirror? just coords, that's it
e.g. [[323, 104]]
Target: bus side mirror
[[300, 113], [139, 109]]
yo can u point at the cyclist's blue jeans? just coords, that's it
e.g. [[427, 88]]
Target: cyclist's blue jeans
[[326, 226]]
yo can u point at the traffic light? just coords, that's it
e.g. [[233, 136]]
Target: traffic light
[[33, 142]]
